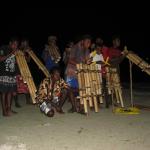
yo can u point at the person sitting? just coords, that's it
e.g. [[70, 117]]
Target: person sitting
[[52, 94]]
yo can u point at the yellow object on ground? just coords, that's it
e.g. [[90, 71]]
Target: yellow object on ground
[[128, 111]]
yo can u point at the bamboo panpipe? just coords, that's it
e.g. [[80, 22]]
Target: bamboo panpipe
[[88, 85], [29, 78], [137, 60], [25, 73], [54, 52], [38, 62], [115, 83]]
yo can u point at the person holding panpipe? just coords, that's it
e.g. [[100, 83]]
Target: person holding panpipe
[[115, 58], [78, 54], [48, 54]]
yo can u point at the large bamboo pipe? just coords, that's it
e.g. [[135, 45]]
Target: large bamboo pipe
[[137, 60], [38, 62], [24, 70]]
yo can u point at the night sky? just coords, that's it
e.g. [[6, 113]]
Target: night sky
[[37, 24]]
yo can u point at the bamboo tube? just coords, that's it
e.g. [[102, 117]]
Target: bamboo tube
[[101, 99], [96, 87], [99, 84], [95, 79], [80, 82], [87, 85], [38, 62], [117, 95], [90, 86], [85, 105], [98, 81], [120, 96], [95, 104], [108, 80]]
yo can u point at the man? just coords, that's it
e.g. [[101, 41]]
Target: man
[[52, 94], [115, 58], [114, 53], [78, 54], [49, 62], [66, 53], [8, 71]]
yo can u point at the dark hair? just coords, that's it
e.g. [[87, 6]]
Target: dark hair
[[24, 39], [13, 39], [54, 69], [86, 36], [115, 37], [83, 37], [98, 45]]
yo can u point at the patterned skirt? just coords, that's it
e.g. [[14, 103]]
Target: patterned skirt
[[8, 84]]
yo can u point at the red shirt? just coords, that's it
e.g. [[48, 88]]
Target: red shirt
[[113, 52]]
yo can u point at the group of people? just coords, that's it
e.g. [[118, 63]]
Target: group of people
[[53, 91]]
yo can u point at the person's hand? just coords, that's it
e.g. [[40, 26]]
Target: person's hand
[[89, 61]]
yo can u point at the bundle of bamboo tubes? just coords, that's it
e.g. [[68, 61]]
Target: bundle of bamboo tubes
[[26, 75], [137, 60], [90, 87], [116, 86], [53, 52], [38, 62]]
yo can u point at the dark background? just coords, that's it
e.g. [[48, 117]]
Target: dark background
[[37, 24]]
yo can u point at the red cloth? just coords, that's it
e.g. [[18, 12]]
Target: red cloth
[[113, 52], [21, 86], [105, 53]]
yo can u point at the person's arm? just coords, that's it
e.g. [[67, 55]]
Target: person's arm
[[72, 61], [116, 60], [72, 58]]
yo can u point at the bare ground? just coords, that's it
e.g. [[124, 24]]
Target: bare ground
[[31, 130]]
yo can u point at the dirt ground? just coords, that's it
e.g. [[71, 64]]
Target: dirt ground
[[31, 130]]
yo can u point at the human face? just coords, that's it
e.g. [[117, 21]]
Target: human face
[[13, 45], [99, 50], [56, 75], [86, 43], [116, 42], [99, 40], [24, 44]]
